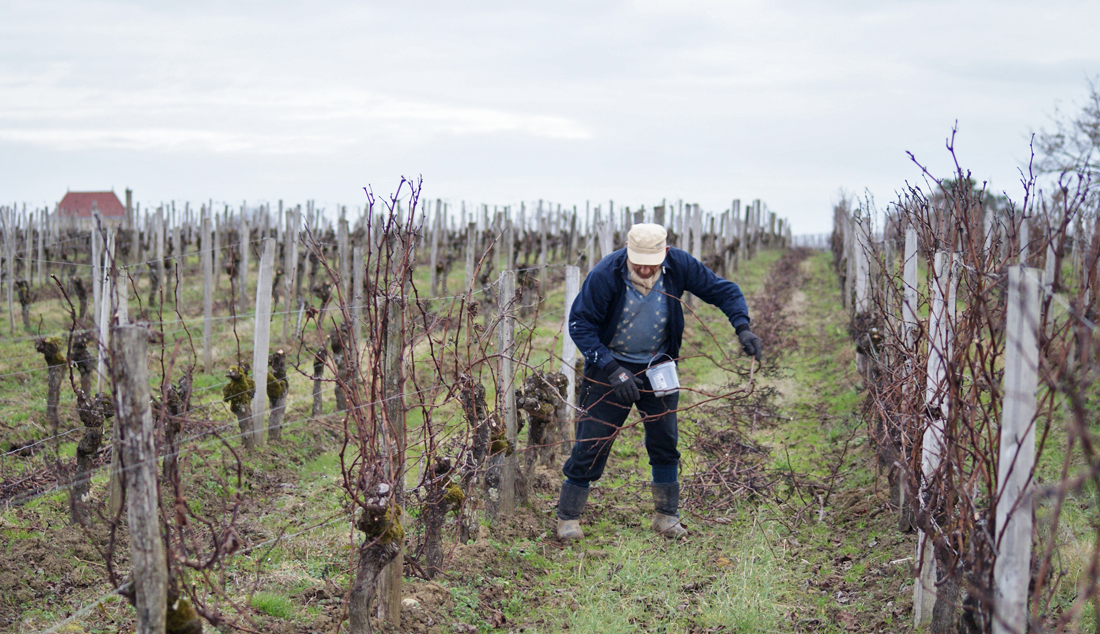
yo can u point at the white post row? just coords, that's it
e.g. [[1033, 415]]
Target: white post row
[[1012, 567], [262, 339], [940, 316]]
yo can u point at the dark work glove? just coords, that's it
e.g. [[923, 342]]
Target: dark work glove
[[750, 343], [624, 383]]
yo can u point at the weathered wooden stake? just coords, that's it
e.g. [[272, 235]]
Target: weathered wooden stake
[[130, 375], [1012, 567], [393, 388], [242, 267], [290, 269], [207, 295], [471, 248]]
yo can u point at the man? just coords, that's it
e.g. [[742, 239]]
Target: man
[[628, 315]]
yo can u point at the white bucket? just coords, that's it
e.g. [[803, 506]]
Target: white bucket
[[663, 378]]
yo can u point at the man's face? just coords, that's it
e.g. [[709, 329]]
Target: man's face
[[644, 271]]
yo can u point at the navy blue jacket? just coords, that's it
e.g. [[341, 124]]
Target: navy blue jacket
[[599, 305]]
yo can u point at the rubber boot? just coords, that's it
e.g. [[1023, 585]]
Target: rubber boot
[[666, 518], [570, 504]]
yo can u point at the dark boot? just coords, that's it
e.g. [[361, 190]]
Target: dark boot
[[570, 504], [666, 504]]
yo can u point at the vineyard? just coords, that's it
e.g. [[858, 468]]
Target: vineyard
[[397, 468]]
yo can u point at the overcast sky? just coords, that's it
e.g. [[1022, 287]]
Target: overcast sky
[[499, 102]]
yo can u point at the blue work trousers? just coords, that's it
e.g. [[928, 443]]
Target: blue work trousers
[[602, 417]]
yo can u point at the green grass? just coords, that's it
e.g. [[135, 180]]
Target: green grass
[[273, 605]]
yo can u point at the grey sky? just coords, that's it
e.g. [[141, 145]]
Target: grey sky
[[499, 102]]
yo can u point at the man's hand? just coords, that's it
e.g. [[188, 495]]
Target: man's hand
[[624, 383], [750, 343]]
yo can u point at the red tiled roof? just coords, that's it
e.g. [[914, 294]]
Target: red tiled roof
[[79, 205]]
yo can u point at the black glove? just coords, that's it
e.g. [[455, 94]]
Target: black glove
[[624, 383], [750, 343]]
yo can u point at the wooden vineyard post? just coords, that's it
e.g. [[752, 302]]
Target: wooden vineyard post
[[9, 266], [290, 269], [433, 253], [207, 295], [936, 398], [506, 394], [158, 266], [471, 247], [606, 241], [568, 354], [509, 244], [262, 339], [393, 382], [42, 246], [242, 267], [1012, 567], [130, 375], [342, 256], [544, 248]]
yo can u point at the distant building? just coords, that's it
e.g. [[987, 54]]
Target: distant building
[[77, 210]]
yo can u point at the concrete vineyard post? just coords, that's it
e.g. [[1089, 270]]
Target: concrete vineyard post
[[393, 384], [207, 294], [862, 255], [356, 298], [97, 280], [936, 397], [506, 393], [1012, 567], [568, 355], [130, 372], [104, 315], [262, 339]]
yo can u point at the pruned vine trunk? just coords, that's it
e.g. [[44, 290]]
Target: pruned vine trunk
[[277, 388], [51, 349], [92, 412], [318, 372], [177, 404], [443, 495], [473, 477], [382, 541]]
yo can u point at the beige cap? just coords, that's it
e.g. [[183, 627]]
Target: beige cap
[[645, 244]]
